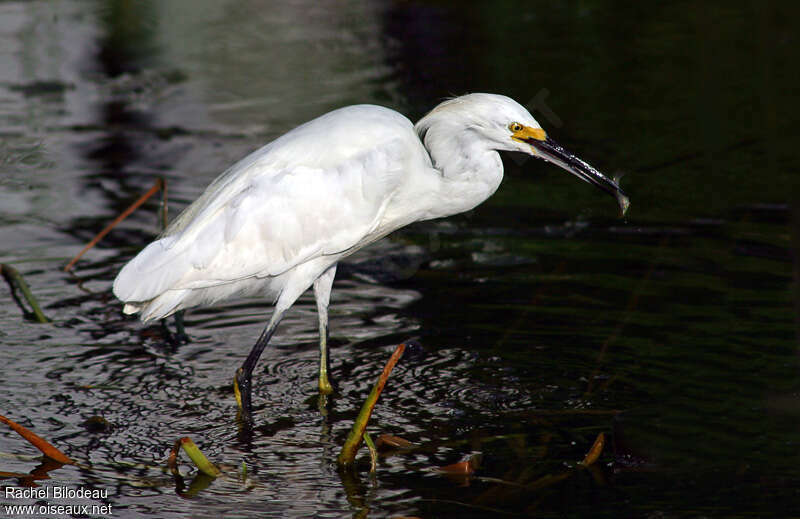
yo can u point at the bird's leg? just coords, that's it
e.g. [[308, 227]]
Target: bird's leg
[[180, 330], [242, 380], [179, 337], [322, 293], [325, 387]]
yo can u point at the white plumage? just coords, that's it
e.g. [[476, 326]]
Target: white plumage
[[280, 207], [280, 219]]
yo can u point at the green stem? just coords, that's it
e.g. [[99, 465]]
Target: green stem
[[13, 276], [373, 453], [348, 454], [199, 459]]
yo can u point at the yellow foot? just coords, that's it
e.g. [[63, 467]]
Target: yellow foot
[[325, 387], [236, 391]]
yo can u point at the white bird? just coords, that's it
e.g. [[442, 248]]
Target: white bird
[[278, 221]]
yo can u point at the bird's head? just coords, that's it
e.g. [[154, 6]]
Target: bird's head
[[508, 126]]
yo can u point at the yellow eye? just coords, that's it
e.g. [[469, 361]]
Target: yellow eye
[[515, 127]]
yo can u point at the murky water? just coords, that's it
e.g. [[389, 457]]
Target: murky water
[[543, 318]]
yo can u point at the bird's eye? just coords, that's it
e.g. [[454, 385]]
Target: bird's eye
[[515, 127]]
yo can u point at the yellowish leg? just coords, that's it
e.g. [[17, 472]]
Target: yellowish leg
[[322, 292], [325, 387]]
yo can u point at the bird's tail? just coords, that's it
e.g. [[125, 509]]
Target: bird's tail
[[159, 307], [145, 284]]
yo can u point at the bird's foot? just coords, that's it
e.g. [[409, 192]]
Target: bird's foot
[[179, 338], [241, 390], [325, 387]]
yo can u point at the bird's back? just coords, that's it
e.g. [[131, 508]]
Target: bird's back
[[320, 189]]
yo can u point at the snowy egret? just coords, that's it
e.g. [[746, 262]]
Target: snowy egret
[[278, 221]]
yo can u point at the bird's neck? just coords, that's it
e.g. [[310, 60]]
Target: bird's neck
[[470, 171], [465, 172]]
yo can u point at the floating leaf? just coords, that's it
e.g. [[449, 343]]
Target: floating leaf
[[388, 441], [97, 424], [38, 442], [594, 453], [9, 475], [466, 467]]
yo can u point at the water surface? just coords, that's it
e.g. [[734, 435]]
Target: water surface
[[544, 319]]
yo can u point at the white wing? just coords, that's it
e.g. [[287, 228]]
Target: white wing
[[273, 211]]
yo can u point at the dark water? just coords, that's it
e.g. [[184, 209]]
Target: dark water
[[544, 319]]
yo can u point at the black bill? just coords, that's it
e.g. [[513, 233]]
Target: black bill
[[551, 151]]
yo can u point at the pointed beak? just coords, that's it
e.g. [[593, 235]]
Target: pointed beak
[[549, 150]]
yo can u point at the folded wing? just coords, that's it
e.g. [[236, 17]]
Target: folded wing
[[262, 221]]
